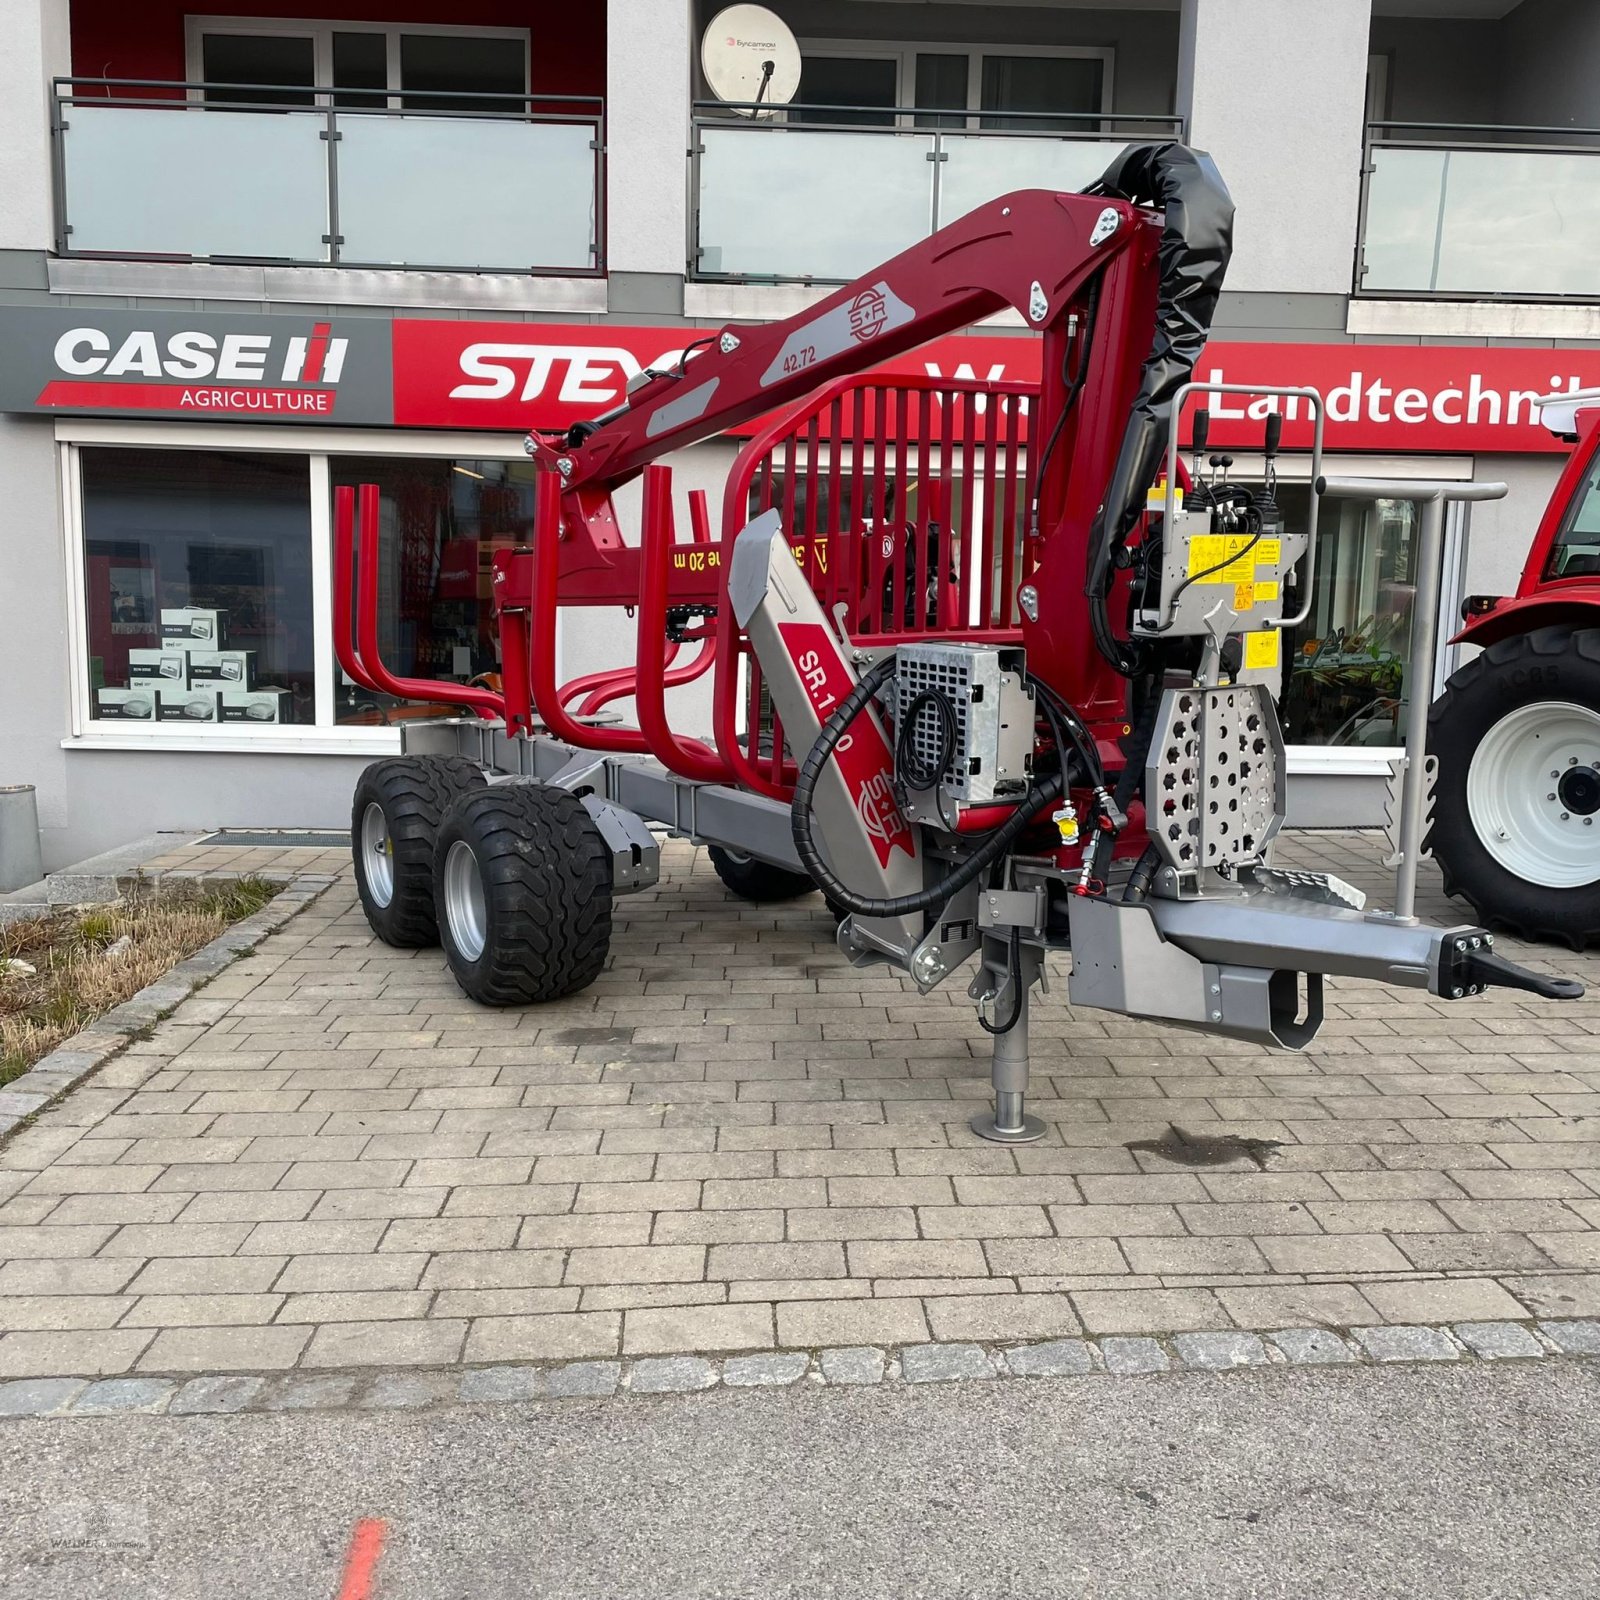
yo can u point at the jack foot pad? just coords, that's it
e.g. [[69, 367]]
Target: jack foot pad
[[1030, 1130]]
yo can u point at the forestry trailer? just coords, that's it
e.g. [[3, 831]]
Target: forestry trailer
[[979, 671]]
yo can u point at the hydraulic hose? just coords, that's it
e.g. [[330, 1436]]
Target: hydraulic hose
[[935, 895]]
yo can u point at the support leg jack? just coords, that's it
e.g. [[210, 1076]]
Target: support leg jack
[[1009, 1122]]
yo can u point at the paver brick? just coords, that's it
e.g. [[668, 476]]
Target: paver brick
[[224, 1349], [1216, 1352], [1193, 1257], [493, 1269], [1000, 1316], [202, 1310], [1312, 1346], [814, 1259], [1346, 1252], [983, 1222], [853, 1222], [556, 1337], [650, 1331], [1443, 1300], [1147, 1310], [1294, 1305], [944, 1258], [1498, 1341], [1407, 1344], [1131, 1356], [386, 1344], [607, 1264], [810, 1324]]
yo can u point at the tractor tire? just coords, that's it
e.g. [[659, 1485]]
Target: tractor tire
[[758, 881], [1516, 814], [522, 880], [394, 821]]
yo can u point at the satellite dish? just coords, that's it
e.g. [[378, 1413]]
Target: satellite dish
[[749, 56]]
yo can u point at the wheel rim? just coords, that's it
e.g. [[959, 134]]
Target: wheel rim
[[377, 854], [1533, 793], [464, 909]]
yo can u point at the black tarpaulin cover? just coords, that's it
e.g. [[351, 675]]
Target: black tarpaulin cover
[[1195, 246]]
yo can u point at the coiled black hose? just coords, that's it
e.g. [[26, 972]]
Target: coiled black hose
[[935, 895]]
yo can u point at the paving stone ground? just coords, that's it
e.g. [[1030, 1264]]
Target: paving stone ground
[[734, 1142]]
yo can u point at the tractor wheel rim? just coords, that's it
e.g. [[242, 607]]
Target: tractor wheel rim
[[464, 909], [377, 855], [1531, 793]]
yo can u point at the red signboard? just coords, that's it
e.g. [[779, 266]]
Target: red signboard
[[417, 372], [1396, 399]]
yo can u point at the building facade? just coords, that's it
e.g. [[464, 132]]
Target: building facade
[[249, 256]]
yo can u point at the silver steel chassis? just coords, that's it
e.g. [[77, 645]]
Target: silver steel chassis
[[706, 813]]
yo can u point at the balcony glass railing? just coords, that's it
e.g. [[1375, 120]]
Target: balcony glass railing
[[1476, 212], [778, 201], [154, 174]]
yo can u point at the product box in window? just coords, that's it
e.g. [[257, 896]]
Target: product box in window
[[126, 705], [258, 705], [193, 627], [186, 705], [226, 669], [158, 666]]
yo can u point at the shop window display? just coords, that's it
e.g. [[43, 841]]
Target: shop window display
[[440, 524], [198, 587], [1349, 662]]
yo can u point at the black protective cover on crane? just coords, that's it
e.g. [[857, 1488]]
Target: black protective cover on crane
[[1195, 247]]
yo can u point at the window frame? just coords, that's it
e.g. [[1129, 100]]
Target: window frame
[[905, 55], [323, 735], [195, 28]]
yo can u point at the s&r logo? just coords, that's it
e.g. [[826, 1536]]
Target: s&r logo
[[880, 811], [869, 311]]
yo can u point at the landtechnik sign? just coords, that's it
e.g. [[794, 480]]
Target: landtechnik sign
[[436, 373]]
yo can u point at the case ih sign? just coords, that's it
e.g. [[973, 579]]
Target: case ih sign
[[484, 376]]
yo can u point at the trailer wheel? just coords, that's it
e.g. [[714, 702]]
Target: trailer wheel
[[758, 881], [1516, 818], [522, 880], [394, 821]]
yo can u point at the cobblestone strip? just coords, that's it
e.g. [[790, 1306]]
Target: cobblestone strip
[[110, 1034], [851, 1367]]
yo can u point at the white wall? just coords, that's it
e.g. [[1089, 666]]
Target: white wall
[[33, 48], [593, 640], [33, 624], [648, 49], [1275, 91]]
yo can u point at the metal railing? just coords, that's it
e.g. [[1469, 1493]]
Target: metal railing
[[1475, 211], [781, 199], [153, 170]]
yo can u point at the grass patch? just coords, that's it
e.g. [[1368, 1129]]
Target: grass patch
[[87, 961]]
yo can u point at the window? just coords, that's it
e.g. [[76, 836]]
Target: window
[[198, 586], [203, 610], [440, 523], [1349, 666], [1576, 552], [852, 82], [403, 67], [1047, 89]]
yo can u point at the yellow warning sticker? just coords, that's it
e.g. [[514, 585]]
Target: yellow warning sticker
[[1265, 592], [1261, 650], [1268, 553], [1216, 556], [1244, 596]]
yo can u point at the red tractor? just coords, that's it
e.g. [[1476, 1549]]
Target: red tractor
[[1516, 818]]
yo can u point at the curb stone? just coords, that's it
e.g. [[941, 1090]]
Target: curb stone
[[1215, 1354], [108, 1035]]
